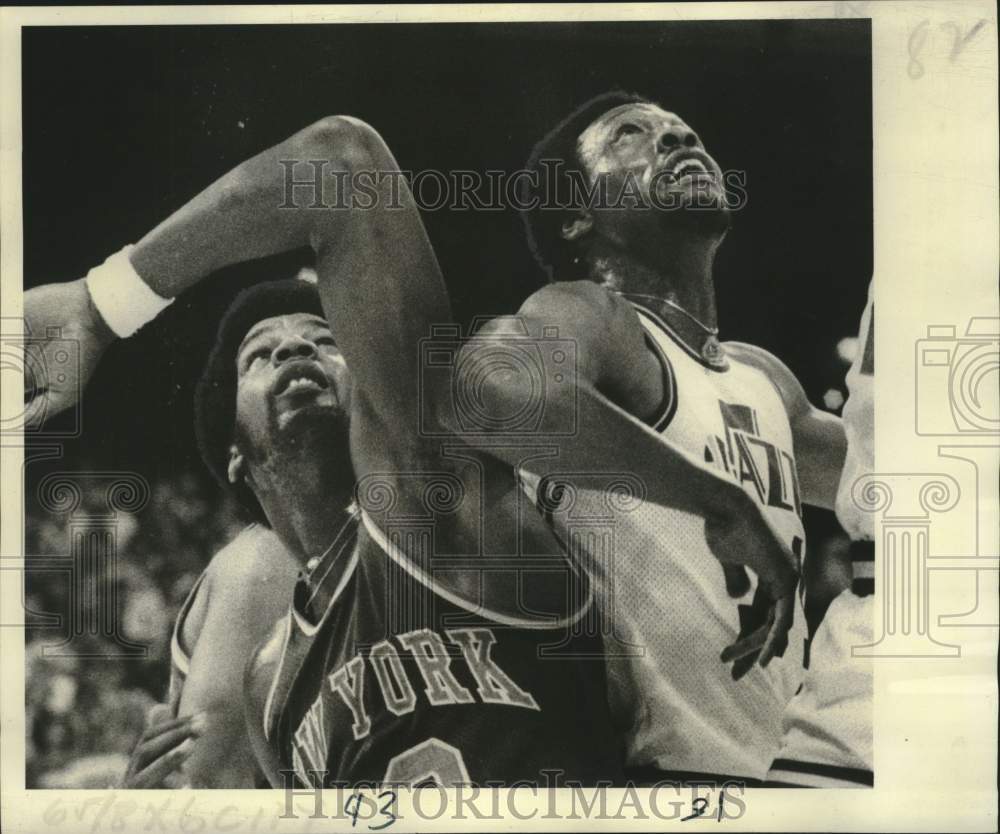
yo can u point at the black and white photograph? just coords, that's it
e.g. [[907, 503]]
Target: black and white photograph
[[467, 405]]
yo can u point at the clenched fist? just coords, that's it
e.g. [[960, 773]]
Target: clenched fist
[[65, 338]]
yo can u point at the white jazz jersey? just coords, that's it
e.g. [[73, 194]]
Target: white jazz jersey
[[666, 613]]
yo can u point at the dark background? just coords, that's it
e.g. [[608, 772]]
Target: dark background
[[123, 124]]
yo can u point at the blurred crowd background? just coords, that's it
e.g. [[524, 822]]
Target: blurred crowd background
[[87, 699]]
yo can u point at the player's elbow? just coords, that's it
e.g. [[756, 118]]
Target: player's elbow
[[348, 142]]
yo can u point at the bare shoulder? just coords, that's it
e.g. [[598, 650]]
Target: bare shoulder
[[253, 565], [777, 371], [573, 299], [756, 356], [253, 571], [597, 319]]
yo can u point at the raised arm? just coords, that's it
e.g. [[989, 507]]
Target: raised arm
[[379, 277]]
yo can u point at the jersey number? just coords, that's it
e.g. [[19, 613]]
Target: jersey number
[[430, 761]]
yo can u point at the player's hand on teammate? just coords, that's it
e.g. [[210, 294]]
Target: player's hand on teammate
[[65, 338], [742, 537], [162, 750]]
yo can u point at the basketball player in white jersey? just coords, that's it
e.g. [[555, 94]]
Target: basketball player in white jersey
[[633, 284], [198, 738], [828, 725], [232, 607], [381, 290]]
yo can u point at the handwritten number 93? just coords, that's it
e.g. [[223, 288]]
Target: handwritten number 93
[[352, 808], [918, 38]]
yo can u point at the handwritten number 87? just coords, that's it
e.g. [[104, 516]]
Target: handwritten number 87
[[918, 37]]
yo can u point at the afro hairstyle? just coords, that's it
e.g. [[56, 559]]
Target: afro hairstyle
[[215, 394], [543, 223]]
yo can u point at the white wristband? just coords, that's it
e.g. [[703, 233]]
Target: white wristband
[[122, 298]]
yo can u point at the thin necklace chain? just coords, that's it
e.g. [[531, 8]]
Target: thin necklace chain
[[711, 331], [316, 561]]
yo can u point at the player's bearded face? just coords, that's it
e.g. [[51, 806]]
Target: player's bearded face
[[652, 168], [291, 377]]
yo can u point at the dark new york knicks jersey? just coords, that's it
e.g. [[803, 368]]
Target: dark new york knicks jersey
[[666, 610], [399, 681]]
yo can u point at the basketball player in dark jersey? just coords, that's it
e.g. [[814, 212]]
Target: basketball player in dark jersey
[[385, 673], [377, 622]]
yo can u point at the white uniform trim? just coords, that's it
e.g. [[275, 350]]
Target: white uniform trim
[[178, 655]]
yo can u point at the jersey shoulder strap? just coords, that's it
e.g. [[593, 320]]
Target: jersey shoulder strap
[[180, 655]]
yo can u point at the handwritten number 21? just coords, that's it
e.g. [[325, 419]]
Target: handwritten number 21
[[699, 805]]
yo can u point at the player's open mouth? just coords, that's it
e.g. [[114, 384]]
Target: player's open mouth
[[301, 378], [689, 163]]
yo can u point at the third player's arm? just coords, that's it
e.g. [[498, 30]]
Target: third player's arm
[[818, 436]]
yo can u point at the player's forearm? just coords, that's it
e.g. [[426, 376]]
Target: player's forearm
[[254, 210], [609, 440], [222, 757]]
